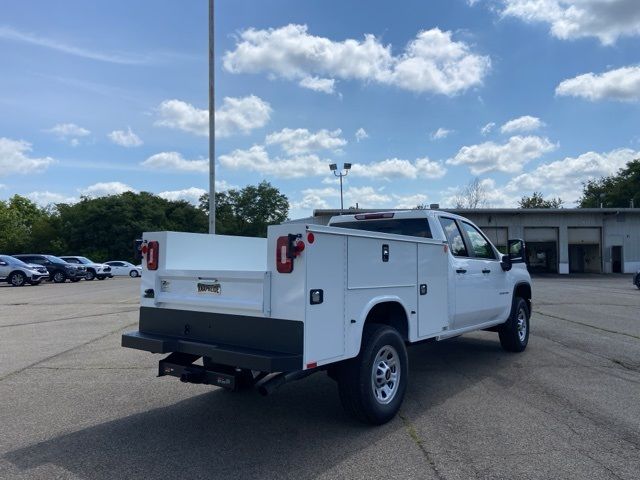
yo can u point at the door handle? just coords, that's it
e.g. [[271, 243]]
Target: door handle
[[486, 270], [461, 270]]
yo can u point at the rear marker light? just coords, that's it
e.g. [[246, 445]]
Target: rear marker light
[[311, 238], [374, 216], [312, 365]]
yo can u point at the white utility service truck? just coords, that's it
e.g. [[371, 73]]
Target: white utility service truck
[[345, 298]]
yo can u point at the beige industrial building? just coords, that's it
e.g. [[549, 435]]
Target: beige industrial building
[[565, 240]]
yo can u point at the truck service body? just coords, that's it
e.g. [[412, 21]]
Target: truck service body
[[310, 298]]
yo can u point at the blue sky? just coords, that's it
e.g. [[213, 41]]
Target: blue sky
[[421, 97]]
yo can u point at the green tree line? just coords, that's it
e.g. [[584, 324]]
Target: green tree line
[[106, 228]]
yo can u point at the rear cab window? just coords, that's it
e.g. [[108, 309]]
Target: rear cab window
[[412, 227]]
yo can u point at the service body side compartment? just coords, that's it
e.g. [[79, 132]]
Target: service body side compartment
[[375, 277], [325, 322]]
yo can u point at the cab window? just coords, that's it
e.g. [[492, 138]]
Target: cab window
[[454, 237], [413, 227], [480, 246]]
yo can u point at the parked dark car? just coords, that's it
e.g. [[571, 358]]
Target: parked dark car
[[636, 279], [17, 273], [58, 269]]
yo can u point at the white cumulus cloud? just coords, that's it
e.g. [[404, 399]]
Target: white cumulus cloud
[[125, 138], [391, 168], [46, 197], [606, 20], [14, 158], [564, 177], [621, 84], [174, 161], [236, 115], [69, 132], [104, 189], [191, 195], [301, 140], [432, 62], [526, 123], [325, 85], [488, 128], [507, 157]]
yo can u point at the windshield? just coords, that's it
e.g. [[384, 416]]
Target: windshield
[[84, 260], [13, 261], [51, 258]]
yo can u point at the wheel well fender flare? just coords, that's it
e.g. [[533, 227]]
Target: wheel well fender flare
[[521, 289], [378, 310]]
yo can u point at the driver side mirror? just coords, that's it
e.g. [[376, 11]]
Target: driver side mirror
[[517, 251], [505, 263]]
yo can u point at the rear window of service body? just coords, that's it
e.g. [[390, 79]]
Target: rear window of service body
[[413, 227]]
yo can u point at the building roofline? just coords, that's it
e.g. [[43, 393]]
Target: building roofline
[[463, 211]]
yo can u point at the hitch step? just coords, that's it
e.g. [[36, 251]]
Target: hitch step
[[181, 365]]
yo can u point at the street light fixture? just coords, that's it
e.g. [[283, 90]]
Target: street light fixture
[[334, 168]]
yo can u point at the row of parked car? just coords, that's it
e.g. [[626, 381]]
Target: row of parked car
[[19, 270]]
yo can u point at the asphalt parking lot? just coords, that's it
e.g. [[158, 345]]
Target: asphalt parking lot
[[74, 404]]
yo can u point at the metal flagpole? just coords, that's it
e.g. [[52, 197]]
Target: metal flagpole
[[212, 126]]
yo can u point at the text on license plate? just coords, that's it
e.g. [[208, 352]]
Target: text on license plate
[[209, 288]]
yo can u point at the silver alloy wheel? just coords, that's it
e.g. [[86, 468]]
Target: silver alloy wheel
[[133, 273], [521, 325], [385, 374], [58, 277], [90, 275], [17, 280]]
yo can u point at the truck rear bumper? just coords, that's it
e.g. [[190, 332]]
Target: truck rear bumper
[[256, 343], [224, 354]]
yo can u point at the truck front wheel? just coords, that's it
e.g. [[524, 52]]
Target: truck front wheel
[[372, 385], [514, 333]]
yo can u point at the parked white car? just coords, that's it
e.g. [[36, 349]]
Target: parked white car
[[94, 270], [18, 273], [345, 299], [122, 268]]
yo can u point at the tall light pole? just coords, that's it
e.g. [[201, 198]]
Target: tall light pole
[[334, 168], [212, 126]]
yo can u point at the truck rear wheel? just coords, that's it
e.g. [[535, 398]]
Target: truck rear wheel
[[514, 333], [372, 385]]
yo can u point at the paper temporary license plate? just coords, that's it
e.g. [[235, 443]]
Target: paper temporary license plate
[[209, 287]]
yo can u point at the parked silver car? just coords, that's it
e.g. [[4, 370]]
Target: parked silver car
[[94, 270], [18, 273]]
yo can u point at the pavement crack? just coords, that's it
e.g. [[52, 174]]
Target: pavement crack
[[420, 444], [50, 357], [630, 335], [69, 318]]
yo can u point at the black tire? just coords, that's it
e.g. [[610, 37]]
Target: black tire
[[90, 275], [383, 349], [244, 378], [58, 277], [134, 273], [514, 333], [17, 279]]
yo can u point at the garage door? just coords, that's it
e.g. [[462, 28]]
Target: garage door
[[585, 252], [542, 249]]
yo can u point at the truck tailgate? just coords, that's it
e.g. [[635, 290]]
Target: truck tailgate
[[239, 292]]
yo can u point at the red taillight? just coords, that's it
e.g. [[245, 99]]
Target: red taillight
[[299, 247], [284, 259], [311, 238], [152, 253]]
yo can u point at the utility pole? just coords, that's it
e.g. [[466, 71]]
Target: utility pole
[[212, 125]]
